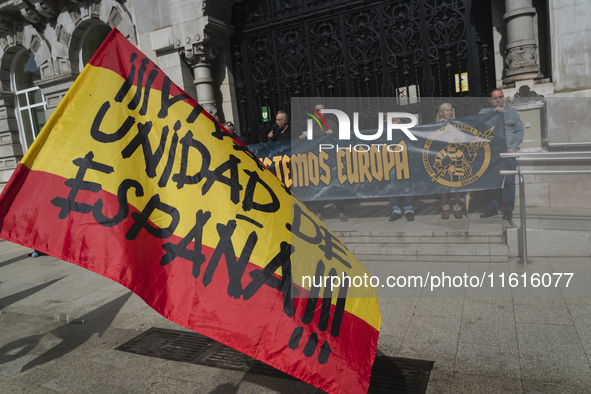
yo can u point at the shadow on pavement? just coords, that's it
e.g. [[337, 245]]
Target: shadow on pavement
[[21, 295], [226, 388], [73, 335], [13, 260]]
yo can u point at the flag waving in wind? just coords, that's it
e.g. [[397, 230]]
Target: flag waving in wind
[[131, 179]]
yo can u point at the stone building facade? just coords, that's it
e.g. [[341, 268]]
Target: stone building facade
[[541, 48]]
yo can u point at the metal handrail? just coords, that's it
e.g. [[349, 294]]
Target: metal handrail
[[579, 158], [544, 172], [568, 144], [529, 157], [545, 153]]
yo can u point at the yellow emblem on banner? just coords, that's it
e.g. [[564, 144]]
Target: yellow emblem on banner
[[453, 164]]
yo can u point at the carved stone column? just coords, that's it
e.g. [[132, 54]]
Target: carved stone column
[[522, 52], [201, 57]]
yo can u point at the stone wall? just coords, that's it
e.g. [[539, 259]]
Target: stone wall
[[567, 118], [53, 32], [570, 24]]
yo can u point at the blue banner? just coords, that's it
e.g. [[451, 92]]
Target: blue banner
[[459, 155]]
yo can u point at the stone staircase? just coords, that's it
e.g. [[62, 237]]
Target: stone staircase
[[428, 238], [436, 246]]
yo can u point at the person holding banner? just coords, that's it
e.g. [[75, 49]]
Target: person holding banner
[[283, 131], [331, 127], [445, 113], [514, 135], [406, 203], [318, 209], [230, 127]]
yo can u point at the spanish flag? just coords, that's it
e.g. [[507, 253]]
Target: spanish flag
[[132, 179]]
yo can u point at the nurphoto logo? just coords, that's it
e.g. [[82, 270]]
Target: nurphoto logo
[[344, 124]]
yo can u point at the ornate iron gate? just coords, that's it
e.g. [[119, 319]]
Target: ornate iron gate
[[335, 48]]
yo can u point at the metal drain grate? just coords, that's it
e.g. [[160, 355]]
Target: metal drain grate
[[399, 375], [388, 375]]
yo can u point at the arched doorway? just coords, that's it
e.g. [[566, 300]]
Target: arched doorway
[[92, 40], [86, 39], [335, 48]]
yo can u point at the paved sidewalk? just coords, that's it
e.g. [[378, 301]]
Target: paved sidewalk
[[59, 325]]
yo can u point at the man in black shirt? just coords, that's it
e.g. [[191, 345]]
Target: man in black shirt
[[283, 131]]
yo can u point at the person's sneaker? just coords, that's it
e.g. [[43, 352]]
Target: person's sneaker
[[410, 216], [395, 216], [342, 217], [320, 216], [458, 214], [507, 215], [489, 212], [37, 253], [445, 214]]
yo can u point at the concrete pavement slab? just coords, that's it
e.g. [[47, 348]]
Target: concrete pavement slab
[[485, 323], [488, 361], [534, 387], [439, 307], [396, 317], [433, 338], [581, 317], [440, 381], [464, 383], [553, 354], [542, 311]]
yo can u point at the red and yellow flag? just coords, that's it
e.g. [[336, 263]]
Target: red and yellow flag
[[132, 179]]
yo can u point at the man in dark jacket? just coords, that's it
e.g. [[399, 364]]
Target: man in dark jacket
[[283, 131]]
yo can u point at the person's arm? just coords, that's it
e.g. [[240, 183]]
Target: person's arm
[[332, 127], [273, 133], [517, 131]]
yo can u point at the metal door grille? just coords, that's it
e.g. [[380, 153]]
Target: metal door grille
[[335, 48]]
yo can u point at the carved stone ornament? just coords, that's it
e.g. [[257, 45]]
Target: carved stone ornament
[[13, 38], [95, 1], [522, 59], [525, 95], [6, 25], [38, 12], [199, 54], [211, 108], [47, 8], [31, 15]]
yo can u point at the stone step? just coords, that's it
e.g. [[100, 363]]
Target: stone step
[[428, 238], [424, 229], [442, 238], [476, 253]]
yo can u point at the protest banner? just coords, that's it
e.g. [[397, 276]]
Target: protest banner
[[132, 179], [459, 155]]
